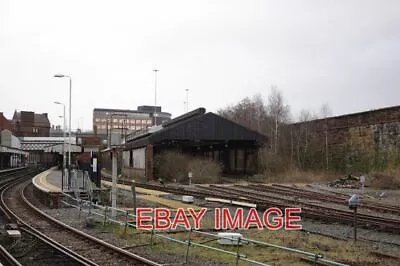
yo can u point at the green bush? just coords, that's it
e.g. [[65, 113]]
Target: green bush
[[389, 179], [204, 171], [171, 166], [174, 166], [271, 163]]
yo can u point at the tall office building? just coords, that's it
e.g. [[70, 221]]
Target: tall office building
[[127, 121]]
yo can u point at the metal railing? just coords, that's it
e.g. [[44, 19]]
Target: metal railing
[[124, 218], [87, 184]]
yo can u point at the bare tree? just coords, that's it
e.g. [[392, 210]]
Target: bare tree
[[304, 118], [279, 111], [249, 112], [326, 111]]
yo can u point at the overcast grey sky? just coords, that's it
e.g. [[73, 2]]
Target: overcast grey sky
[[343, 52]]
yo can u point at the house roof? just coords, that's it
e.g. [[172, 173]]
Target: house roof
[[42, 119], [38, 119]]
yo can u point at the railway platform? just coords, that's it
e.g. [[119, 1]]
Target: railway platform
[[49, 182]]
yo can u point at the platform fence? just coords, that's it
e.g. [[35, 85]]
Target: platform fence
[[127, 220]]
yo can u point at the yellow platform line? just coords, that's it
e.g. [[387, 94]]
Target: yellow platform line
[[174, 204], [138, 189], [153, 196], [42, 182]]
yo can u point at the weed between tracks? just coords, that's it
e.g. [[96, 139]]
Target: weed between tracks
[[337, 250]]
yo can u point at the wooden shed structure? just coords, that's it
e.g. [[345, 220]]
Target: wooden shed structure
[[196, 133]]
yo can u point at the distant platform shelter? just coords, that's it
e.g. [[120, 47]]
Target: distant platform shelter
[[47, 150], [12, 157], [11, 154], [200, 134]]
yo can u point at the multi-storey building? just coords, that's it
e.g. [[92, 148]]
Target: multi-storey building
[[29, 124], [127, 120]]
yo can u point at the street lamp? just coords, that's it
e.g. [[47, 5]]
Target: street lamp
[[155, 95], [69, 127], [187, 100], [63, 149]]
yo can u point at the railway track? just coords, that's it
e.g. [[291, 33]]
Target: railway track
[[315, 210], [6, 258], [82, 249], [304, 193], [254, 194]]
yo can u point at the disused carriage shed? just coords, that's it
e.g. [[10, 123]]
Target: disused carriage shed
[[199, 134]]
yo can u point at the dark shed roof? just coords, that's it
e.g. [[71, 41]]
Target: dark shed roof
[[198, 126]]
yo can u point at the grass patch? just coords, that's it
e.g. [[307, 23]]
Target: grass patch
[[175, 166], [389, 179], [299, 176], [333, 249]]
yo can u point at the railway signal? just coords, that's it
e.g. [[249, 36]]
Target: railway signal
[[354, 202]]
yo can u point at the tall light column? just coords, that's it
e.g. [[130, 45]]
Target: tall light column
[[187, 100], [114, 183], [155, 95], [63, 149], [69, 126]]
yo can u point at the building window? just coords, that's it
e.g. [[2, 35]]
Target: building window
[[148, 122], [115, 120], [97, 119], [137, 121]]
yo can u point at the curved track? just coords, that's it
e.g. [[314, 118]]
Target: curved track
[[82, 248], [6, 258]]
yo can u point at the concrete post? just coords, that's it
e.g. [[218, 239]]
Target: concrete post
[[149, 163], [134, 195], [114, 184]]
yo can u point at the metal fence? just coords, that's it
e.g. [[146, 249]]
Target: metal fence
[[124, 218], [76, 180]]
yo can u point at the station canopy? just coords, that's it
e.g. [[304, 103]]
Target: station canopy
[[4, 149]]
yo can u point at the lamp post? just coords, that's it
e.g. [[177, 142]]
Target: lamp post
[[63, 149], [69, 126], [187, 100], [155, 95], [108, 124]]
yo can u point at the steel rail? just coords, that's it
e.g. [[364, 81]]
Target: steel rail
[[309, 210], [6, 257], [34, 232], [87, 236]]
